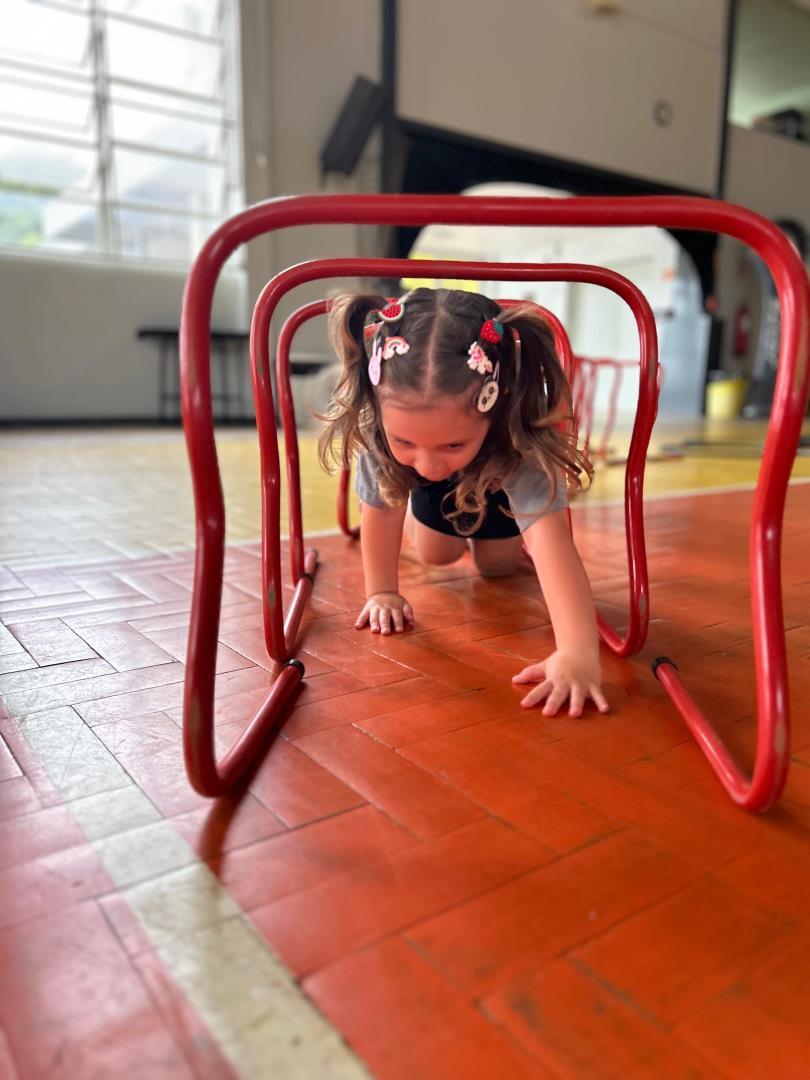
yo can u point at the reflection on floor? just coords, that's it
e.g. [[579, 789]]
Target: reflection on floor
[[422, 878]]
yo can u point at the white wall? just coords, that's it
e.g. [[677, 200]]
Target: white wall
[[768, 173], [67, 335], [299, 62], [554, 77]]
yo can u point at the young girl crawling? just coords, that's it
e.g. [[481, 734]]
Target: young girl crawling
[[462, 406]]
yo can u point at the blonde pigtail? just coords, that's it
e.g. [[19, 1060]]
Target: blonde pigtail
[[540, 417], [352, 413]]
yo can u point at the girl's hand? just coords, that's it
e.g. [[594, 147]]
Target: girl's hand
[[562, 676], [384, 612]]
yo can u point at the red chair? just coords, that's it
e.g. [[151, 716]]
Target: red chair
[[584, 382]]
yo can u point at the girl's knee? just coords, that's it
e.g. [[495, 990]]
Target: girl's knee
[[497, 558], [432, 547], [433, 554], [496, 567]]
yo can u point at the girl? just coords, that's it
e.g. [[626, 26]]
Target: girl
[[464, 407]]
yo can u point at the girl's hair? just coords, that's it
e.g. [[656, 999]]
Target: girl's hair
[[530, 422]]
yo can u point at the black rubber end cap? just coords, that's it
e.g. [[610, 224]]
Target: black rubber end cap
[[659, 660], [296, 664]]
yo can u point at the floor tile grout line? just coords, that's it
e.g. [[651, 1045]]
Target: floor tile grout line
[[785, 948], [156, 1002], [353, 1060], [668, 1027]]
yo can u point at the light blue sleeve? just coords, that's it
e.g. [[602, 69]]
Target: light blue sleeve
[[367, 481], [528, 491]]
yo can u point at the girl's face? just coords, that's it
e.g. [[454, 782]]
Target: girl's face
[[435, 441]]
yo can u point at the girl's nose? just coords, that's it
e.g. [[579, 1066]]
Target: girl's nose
[[431, 469]]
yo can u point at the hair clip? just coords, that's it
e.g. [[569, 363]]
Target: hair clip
[[385, 349], [491, 331], [478, 359], [374, 368], [489, 392], [371, 328], [518, 347], [394, 345], [393, 311]]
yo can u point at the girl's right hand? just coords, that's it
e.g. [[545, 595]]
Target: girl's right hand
[[562, 677], [385, 612]]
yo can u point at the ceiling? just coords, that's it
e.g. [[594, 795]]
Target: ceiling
[[771, 67]]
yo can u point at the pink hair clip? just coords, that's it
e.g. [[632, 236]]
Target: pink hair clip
[[385, 349], [374, 368], [478, 359]]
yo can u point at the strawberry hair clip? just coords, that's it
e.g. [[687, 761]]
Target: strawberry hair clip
[[477, 359]]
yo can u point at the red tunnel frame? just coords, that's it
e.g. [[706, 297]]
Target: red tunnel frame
[[645, 416], [277, 635], [562, 344], [765, 785]]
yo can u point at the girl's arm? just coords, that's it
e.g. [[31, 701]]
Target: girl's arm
[[380, 542], [573, 670]]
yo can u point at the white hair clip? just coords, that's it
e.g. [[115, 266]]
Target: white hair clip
[[489, 392]]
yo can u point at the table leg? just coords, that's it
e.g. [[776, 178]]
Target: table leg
[[163, 360], [222, 355]]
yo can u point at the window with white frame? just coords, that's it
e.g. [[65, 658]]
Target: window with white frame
[[119, 131]]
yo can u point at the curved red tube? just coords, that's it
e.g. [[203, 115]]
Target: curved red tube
[[282, 283], [790, 401], [287, 409]]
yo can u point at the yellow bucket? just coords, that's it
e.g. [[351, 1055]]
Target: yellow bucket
[[724, 398]]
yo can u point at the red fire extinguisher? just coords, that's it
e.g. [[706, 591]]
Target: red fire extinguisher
[[742, 330]]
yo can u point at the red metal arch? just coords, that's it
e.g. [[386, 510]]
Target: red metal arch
[[790, 401], [638, 617], [263, 313]]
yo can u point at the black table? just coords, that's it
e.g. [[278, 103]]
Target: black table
[[229, 349]]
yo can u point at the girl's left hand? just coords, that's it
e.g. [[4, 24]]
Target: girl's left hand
[[561, 677]]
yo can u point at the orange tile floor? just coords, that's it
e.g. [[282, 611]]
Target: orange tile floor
[[422, 879]]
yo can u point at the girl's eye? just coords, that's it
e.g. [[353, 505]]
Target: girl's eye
[[455, 446]]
